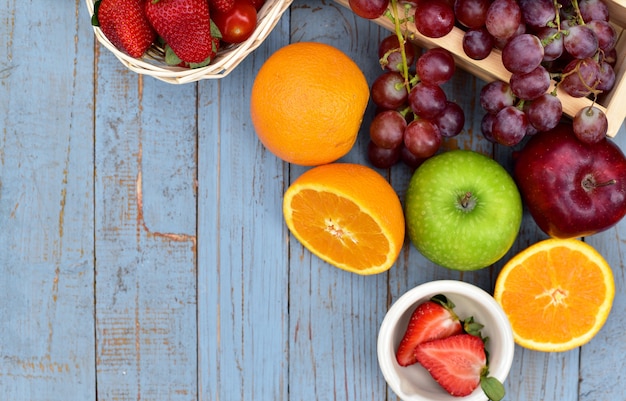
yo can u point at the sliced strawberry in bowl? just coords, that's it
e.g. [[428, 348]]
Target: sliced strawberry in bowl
[[459, 364], [456, 363], [431, 320], [478, 314]]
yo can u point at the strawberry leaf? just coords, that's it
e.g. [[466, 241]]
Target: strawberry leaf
[[170, 57], [204, 63], [215, 31], [94, 17], [443, 301], [472, 327], [493, 389], [446, 303]]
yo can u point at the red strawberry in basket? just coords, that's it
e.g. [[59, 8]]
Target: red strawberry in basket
[[185, 26], [257, 4], [431, 320], [222, 6], [124, 23]]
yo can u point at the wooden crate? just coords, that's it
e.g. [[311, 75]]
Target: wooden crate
[[491, 69]]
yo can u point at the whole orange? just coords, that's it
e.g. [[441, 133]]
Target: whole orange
[[307, 103]]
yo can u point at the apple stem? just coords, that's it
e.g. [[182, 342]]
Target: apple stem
[[607, 183], [467, 202], [589, 183]]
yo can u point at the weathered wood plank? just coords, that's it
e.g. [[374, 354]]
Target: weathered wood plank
[[334, 315], [242, 257], [145, 209], [46, 203], [605, 353]]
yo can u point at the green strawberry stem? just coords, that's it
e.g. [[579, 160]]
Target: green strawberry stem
[[472, 327], [493, 389], [94, 17]]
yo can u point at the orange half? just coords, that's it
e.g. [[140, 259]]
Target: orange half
[[348, 215], [557, 294]]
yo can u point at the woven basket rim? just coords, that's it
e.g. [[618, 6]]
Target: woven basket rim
[[152, 63]]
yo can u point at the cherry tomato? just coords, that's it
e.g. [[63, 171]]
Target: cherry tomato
[[238, 23]]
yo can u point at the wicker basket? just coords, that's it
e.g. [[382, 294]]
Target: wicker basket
[[153, 62]]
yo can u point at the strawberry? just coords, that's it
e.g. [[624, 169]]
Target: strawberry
[[257, 4], [457, 363], [124, 23], [185, 25], [431, 320], [222, 6]]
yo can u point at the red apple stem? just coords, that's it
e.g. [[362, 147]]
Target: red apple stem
[[589, 183]]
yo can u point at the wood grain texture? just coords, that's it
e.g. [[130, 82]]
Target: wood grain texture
[[242, 259], [145, 147], [143, 252], [46, 204]]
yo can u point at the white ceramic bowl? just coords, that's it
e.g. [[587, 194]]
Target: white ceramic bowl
[[414, 383]]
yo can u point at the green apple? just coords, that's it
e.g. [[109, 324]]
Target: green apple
[[463, 210]]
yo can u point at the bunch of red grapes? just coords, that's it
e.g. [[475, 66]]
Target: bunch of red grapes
[[545, 44], [567, 43], [413, 110]]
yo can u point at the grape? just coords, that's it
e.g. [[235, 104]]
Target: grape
[[499, 43], [388, 90], [434, 19], [530, 129], [369, 9], [607, 37], [545, 112], [580, 77], [486, 126], [477, 43], [509, 126], [435, 66], [451, 120], [606, 77], [471, 13], [552, 41], [581, 41], [387, 129], [593, 10], [522, 53], [531, 85], [590, 125], [422, 138], [503, 18], [496, 95], [427, 100], [382, 157], [611, 56], [390, 56], [537, 13], [410, 159]]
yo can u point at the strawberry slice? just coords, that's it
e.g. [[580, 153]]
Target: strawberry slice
[[457, 363], [431, 320]]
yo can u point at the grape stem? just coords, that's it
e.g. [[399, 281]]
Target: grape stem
[[401, 41], [578, 14], [557, 20]]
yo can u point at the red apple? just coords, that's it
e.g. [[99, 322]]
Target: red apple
[[571, 189]]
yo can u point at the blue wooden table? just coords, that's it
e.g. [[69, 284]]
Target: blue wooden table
[[143, 253]]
